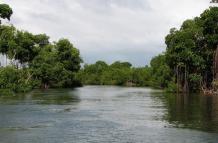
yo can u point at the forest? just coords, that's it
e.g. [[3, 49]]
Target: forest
[[189, 64]]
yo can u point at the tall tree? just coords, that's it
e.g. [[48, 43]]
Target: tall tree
[[68, 55]]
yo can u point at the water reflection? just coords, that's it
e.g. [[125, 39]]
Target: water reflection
[[107, 114], [49, 97], [192, 111]]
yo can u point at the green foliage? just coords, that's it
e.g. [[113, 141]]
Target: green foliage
[[195, 81], [118, 73], [7, 38], [188, 60], [5, 11], [171, 87], [68, 55], [48, 65], [16, 80], [122, 73], [161, 73], [142, 76], [190, 50], [55, 68], [20, 45], [43, 64]]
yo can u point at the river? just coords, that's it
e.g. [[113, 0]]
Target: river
[[97, 114]]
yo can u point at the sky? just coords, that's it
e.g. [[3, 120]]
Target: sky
[[109, 30]]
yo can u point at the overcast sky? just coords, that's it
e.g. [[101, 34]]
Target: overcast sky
[[125, 30]]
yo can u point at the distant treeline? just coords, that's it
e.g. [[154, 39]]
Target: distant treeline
[[123, 74]]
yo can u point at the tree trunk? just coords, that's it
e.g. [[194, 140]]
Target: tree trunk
[[46, 86], [6, 60], [177, 78], [216, 65], [186, 86]]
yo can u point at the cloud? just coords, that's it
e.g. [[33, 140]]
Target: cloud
[[131, 30]]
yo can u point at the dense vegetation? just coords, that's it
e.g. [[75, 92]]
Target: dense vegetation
[[123, 74], [191, 52], [190, 62], [34, 62]]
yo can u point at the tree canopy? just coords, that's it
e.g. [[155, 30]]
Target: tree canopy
[[191, 49], [35, 61], [5, 12]]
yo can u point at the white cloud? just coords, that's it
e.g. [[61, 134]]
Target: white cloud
[[131, 30]]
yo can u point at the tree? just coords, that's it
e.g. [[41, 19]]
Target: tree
[[41, 40], [46, 64], [5, 11], [44, 67], [52, 66], [68, 55], [191, 51], [6, 38], [119, 64], [161, 73], [16, 80]]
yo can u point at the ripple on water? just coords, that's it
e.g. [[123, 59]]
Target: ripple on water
[[108, 114]]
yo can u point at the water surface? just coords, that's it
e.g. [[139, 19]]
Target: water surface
[[96, 114]]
